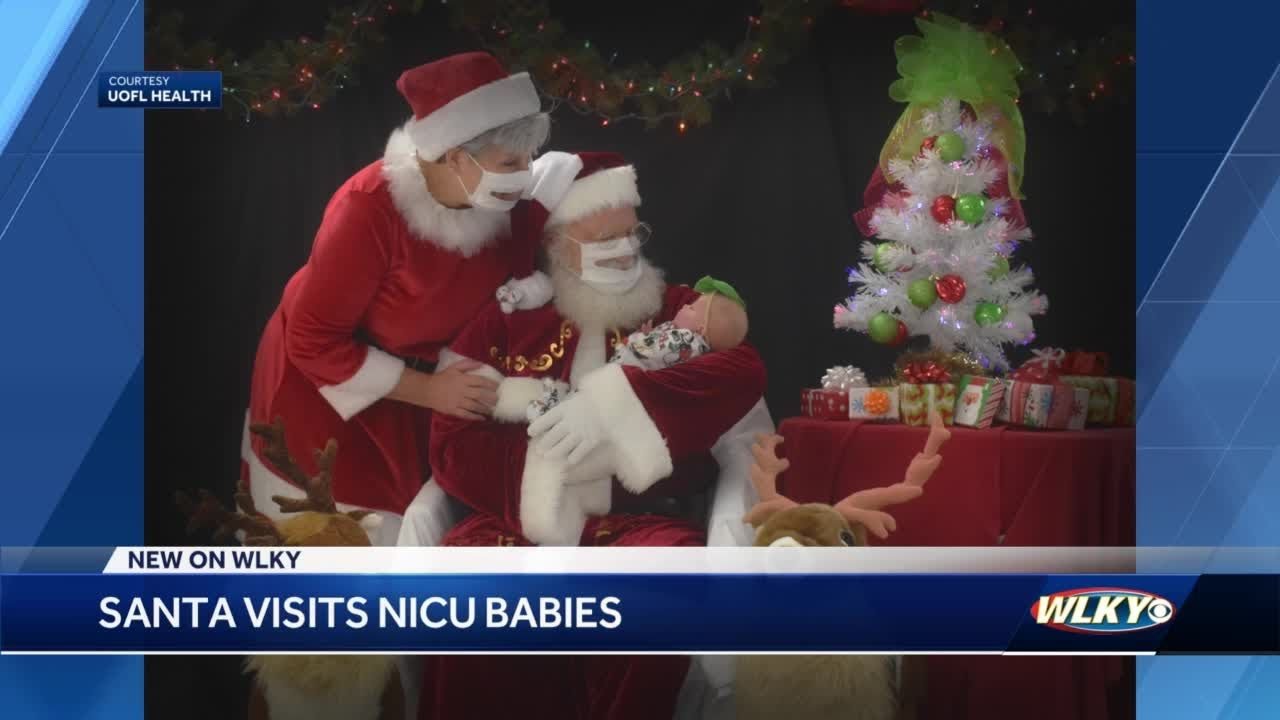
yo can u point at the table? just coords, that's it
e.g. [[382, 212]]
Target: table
[[1005, 486], [998, 486]]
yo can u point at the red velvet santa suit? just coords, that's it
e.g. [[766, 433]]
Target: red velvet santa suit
[[392, 277], [660, 428], [669, 418]]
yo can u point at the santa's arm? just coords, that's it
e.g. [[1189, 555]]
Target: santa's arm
[[658, 417], [488, 464], [530, 288], [348, 261]]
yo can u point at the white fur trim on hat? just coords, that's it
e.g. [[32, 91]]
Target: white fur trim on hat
[[611, 188], [463, 118]]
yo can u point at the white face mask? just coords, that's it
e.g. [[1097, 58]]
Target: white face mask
[[606, 279], [492, 182]]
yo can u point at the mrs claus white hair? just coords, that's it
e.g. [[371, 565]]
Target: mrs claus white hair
[[523, 137]]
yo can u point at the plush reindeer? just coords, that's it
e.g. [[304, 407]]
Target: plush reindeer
[[822, 687], [303, 687]]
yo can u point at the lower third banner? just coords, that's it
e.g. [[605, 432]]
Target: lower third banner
[[676, 613]]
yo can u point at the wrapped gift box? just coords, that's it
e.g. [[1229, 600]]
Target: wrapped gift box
[[916, 401], [825, 404], [978, 399], [1075, 420], [873, 403], [1110, 398], [1055, 406]]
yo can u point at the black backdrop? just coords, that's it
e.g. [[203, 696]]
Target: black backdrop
[[761, 197]]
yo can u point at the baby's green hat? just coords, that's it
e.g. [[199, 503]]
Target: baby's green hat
[[709, 284]]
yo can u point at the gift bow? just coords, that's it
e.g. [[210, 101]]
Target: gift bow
[[925, 373], [843, 377], [1079, 362], [1044, 366]]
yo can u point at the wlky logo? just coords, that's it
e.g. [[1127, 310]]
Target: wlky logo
[[1100, 611]]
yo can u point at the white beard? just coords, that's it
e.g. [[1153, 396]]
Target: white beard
[[586, 306], [596, 312]]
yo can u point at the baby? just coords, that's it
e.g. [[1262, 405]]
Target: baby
[[717, 320]]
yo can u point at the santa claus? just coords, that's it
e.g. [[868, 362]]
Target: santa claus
[[410, 248], [619, 462]]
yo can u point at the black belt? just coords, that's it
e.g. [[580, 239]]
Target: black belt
[[411, 362], [417, 363], [685, 508]]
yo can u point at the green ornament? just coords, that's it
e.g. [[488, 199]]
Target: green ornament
[[950, 146], [971, 208], [999, 268], [881, 258], [922, 293], [883, 328], [988, 313]]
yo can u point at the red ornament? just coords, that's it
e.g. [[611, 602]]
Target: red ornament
[[950, 288], [901, 337], [943, 209], [927, 143]]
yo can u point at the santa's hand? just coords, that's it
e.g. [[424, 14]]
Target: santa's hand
[[568, 431]]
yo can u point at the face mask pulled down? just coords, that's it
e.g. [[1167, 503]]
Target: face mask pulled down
[[491, 182], [600, 274]]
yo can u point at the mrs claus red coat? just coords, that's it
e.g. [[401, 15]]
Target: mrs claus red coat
[[393, 276]]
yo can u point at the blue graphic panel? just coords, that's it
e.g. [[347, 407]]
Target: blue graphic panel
[[1208, 215], [71, 304]]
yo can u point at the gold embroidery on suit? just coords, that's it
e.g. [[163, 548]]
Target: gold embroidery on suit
[[540, 363]]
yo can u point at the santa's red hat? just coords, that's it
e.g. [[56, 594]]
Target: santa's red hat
[[567, 187], [605, 181], [461, 96]]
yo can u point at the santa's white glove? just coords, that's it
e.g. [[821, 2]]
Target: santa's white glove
[[553, 172], [569, 431], [524, 294]]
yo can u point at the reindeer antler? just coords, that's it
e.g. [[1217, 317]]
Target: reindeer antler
[[864, 506], [764, 476], [860, 508], [210, 514], [319, 489]]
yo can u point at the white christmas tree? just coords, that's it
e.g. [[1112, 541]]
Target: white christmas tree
[[942, 268]]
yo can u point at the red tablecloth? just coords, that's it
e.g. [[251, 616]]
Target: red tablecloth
[[1071, 488], [1029, 487]]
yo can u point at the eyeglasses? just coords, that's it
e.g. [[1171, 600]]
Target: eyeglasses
[[640, 231]]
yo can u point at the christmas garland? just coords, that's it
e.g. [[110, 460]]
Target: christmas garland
[[579, 76], [282, 77], [285, 77]]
